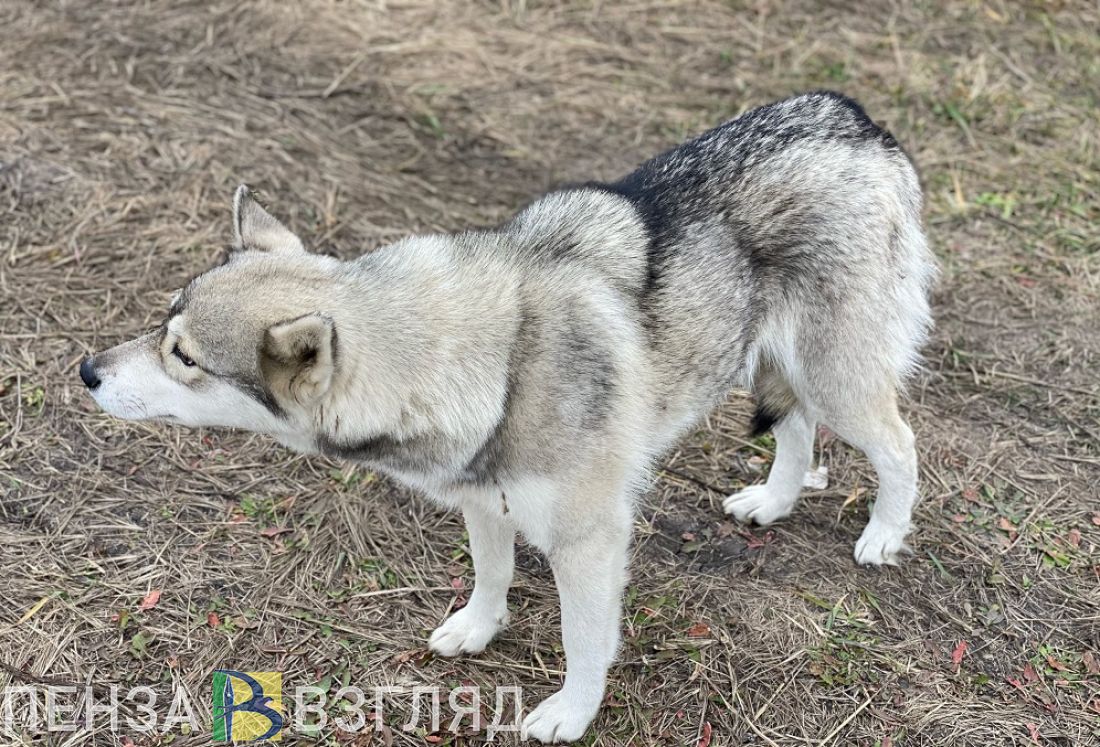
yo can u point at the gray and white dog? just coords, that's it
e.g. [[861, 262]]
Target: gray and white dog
[[530, 375]]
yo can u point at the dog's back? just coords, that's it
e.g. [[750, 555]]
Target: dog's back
[[797, 223]]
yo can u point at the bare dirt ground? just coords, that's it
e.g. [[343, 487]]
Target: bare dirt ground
[[123, 130]]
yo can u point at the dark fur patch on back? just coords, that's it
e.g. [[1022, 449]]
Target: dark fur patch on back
[[683, 186]]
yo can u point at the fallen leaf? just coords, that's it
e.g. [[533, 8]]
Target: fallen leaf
[[274, 531], [1074, 537], [1007, 526], [1056, 665], [708, 732], [971, 495], [213, 620], [852, 497], [1033, 730], [1030, 675], [456, 583], [725, 529], [958, 654], [150, 601], [959, 518], [1096, 518], [699, 630], [1092, 666], [756, 463], [817, 479], [752, 541]]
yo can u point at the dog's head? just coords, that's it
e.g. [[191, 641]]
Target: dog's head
[[247, 344]]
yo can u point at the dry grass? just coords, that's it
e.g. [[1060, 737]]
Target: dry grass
[[122, 132]]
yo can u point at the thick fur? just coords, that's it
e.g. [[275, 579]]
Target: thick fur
[[530, 374]]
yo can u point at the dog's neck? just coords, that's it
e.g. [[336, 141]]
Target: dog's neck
[[420, 353]]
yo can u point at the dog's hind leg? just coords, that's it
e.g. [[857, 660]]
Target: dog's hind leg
[[776, 498], [470, 629], [778, 409], [875, 427]]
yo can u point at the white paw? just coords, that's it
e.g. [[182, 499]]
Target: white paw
[[756, 503], [467, 631], [559, 718], [881, 544]]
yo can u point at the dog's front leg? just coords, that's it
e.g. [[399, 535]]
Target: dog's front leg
[[590, 573], [492, 545]]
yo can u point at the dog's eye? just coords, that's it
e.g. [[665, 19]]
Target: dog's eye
[[183, 358]]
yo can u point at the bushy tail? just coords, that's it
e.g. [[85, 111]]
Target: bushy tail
[[774, 397], [920, 271]]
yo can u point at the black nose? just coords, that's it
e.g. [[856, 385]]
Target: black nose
[[88, 375]]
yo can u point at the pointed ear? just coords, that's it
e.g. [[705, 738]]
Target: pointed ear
[[255, 228], [297, 358]]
